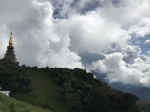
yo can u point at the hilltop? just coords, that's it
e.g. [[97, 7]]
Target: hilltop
[[63, 89]]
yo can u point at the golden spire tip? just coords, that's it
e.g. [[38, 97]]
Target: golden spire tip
[[10, 40], [11, 33]]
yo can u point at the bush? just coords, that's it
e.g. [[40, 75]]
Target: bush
[[13, 78]]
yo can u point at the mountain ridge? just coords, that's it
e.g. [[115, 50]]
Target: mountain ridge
[[141, 92]]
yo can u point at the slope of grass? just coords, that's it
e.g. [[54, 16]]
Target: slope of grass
[[44, 94], [8, 104]]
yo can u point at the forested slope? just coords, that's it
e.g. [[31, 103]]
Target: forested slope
[[63, 89]]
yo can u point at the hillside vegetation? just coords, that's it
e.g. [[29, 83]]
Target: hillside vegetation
[[64, 90], [144, 105], [8, 104]]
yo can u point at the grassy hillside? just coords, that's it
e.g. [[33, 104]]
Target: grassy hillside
[[45, 92], [63, 90], [67, 90], [8, 104]]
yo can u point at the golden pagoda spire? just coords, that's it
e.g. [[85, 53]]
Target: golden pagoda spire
[[10, 40]]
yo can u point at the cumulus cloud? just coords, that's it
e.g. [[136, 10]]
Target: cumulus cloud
[[130, 53], [95, 30], [142, 28], [96, 35], [117, 70], [39, 40]]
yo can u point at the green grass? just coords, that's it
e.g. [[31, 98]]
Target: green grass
[[45, 93], [8, 104]]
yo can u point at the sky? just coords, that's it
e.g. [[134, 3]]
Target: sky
[[111, 37]]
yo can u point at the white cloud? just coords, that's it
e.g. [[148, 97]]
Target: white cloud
[[141, 28], [39, 40], [130, 14], [99, 26], [130, 53], [147, 42], [92, 32], [117, 70], [148, 52]]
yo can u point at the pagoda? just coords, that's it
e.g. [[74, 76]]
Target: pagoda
[[10, 54]]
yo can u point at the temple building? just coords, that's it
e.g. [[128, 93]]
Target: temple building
[[10, 54], [4, 92]]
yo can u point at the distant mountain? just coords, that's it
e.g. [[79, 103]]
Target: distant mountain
[[142, 92]]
